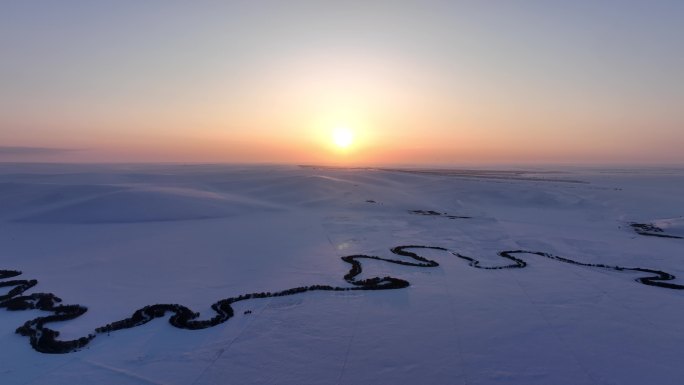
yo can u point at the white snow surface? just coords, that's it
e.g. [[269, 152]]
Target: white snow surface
[[115, 238]]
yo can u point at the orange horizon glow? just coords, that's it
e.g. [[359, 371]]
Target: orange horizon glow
[[414, 85]]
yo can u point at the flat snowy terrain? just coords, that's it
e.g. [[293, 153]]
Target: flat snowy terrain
[[115, 239]]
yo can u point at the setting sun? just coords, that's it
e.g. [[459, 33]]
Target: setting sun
[[343, 137]]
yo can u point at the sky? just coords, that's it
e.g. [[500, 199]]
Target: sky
[[414, 82]]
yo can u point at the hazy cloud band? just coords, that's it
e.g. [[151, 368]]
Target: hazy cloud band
[[25, 150]]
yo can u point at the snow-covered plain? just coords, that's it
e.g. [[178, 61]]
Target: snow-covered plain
[[117, 238]]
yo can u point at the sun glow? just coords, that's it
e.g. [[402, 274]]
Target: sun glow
[[343, 137]]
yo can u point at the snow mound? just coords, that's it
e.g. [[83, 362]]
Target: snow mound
[[296, 190], [143, 204], [672, 226], [22, 198]]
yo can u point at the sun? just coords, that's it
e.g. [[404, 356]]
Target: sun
[[343, 137]]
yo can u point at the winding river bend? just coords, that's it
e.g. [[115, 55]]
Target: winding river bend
[[45, 340]]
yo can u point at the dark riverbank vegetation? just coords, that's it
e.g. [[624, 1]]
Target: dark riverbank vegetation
[[45, 340]]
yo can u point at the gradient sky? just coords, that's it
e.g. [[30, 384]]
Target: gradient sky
[[418, 82]]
